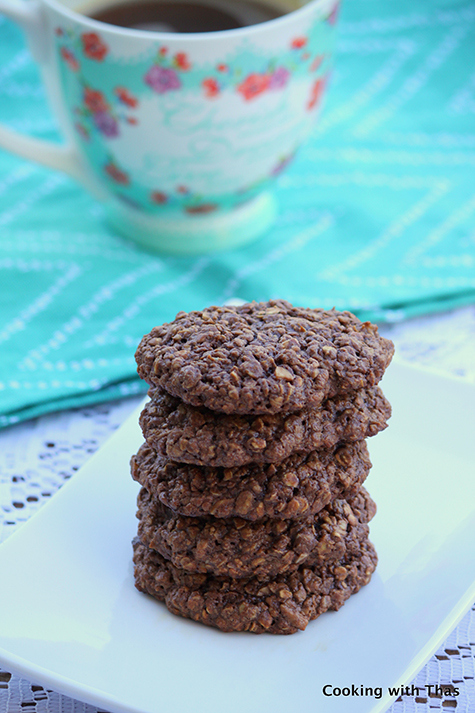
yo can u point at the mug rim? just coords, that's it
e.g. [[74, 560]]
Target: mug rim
[[309, 7]]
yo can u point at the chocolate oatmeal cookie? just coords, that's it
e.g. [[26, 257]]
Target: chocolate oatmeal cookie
[[299, 486], [282, 606], [267, 357], [187, 434], [233, 547]]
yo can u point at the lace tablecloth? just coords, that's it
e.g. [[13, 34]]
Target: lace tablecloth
[[38, 456]]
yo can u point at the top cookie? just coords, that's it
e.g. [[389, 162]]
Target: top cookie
[[265, 357]]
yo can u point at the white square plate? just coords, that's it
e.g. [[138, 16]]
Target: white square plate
[[71, 619]]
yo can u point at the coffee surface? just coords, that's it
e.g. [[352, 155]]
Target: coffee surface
[[185, 16]]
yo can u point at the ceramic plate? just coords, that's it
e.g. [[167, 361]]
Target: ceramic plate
[[71, 619]]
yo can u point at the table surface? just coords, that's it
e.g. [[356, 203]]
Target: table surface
[[38, 456]]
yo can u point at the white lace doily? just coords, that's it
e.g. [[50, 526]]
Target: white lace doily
[[38, 456]]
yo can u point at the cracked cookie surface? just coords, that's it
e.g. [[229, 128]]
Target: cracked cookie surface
[[282, 606], [188, 434], [267, 357], [297, 487], [238, 548]]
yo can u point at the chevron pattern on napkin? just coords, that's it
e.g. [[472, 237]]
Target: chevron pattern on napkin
[[377, 215]]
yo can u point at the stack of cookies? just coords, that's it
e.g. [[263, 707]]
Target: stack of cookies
[[252, 515]]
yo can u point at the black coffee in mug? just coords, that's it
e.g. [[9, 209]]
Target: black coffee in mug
[[184, 15]]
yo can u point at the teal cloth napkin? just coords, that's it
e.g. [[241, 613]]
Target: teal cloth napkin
[[377, 215]]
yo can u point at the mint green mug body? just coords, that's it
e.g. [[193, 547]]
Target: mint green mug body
[[180, 136]]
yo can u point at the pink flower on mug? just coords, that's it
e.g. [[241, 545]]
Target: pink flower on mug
[[93, 47], [317, 62], [222, 68], [315, 93], [333, 16], [116, 174], [162, 80], [181, 61], [253, 85], [298, 43], [132, 120], [95, 100], [106, 124], [126, 97], [211, 87], [279, 78], [69, 58], [163, 51], [59, 32], [183, 190], [159, 197]]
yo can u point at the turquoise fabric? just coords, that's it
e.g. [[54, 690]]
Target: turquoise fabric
[[377, 215]]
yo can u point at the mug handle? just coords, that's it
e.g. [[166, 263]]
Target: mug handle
[[28, 14]]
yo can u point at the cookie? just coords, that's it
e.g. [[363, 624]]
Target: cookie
[[282, 606], [237, 548], [297, 487], [188, 434], [267, 357]]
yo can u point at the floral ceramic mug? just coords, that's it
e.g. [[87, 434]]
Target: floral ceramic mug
[[179, 135]]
